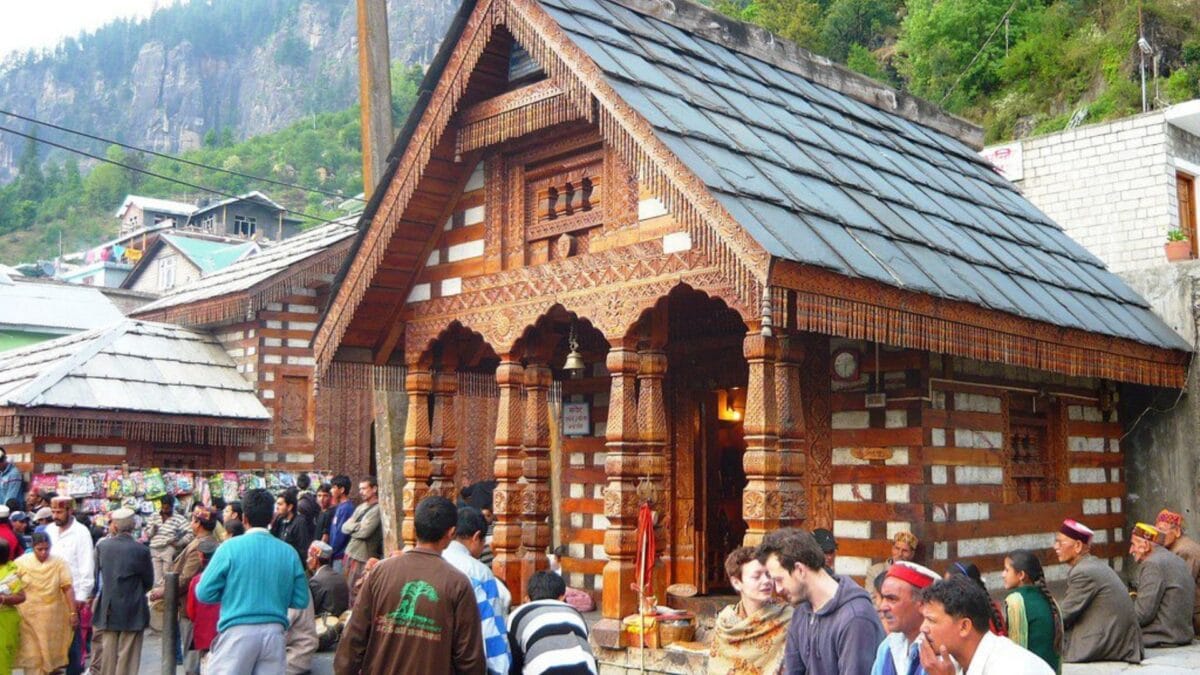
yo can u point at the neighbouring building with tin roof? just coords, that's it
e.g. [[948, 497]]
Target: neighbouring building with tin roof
[[35, 310], [180, 259]]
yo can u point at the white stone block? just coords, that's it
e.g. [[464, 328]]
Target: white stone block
[[435, 257], [576, 550], [940, 513], [971, 511], [575, 490], [52, 447], [899, 457], [575, 459], [1114, 475], [301, 309], [293, 342], [473, 215], [941, 550], [301, 361], [896, 419], [938, 437], [268, 394], [276, 325], [600, 522], [676, 242], [897, 494], [843, 492], [978, 475], [851, 565], [851, 419], [1079, 474], [1118, 535], [451, 286], [1101, 537], [937, 474], [852, 529], [302, 325], [895, 527], [420, 292], [274, 306], [597, 492], [1114, 504], [475, 182], [271, 342], [272, 359], [1095, 507], [598, 552], [651, 208], [976, 402], [465, 250], [577, 520], [598, 458]]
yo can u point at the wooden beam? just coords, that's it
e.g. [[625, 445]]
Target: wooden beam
[[375, 90]]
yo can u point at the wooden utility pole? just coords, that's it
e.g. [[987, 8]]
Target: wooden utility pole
[[374, 90]]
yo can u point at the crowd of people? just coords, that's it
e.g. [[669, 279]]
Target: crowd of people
[[794, 615], [254, 577], [75, 597]]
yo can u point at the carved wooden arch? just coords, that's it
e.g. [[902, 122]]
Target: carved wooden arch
[[640, 326], [446, 347], [535, 340]]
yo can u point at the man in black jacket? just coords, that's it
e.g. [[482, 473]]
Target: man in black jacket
[[290, 525], [126, 575]]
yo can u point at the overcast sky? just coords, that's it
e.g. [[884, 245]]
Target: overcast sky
[[44, 23]]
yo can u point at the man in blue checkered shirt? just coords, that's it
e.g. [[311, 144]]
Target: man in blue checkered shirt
[[492, 595]]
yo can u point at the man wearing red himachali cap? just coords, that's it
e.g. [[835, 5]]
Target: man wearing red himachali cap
[[1097, 613], [900, 608], [1171, 525]]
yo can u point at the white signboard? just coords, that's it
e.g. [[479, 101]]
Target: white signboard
[[577, 419], [1006, 159]]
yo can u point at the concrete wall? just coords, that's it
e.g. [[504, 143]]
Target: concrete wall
[[1162, 457], [1111, 186]]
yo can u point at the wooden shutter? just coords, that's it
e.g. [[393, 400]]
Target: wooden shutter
[[1185, 189]]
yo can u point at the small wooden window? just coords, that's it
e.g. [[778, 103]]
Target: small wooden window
[[1185, 189]]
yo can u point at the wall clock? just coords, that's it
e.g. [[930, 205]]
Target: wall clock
[[847, 362]]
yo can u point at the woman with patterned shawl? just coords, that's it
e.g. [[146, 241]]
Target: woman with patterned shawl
[[1034, 621], [12, 593], [749, 636], [48, 619]]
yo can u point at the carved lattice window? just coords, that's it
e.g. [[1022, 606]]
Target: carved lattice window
[[564, 195], [1031, 450]]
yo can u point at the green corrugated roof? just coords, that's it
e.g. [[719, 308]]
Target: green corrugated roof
[[210, 256]]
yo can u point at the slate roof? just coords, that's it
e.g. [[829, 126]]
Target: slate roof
[[249, 272], [821, 178], [210, 256], [133, 366], [155, 204], [55, 308]]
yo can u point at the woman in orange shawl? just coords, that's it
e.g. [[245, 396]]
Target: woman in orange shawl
[[749, 637]]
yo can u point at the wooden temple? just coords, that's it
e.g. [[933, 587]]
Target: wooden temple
[[800, 299]]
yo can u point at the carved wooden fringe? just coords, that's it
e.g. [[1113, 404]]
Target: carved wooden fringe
[[861, 321], [363, 377], [648, 168], [515, 123], [158, 432]]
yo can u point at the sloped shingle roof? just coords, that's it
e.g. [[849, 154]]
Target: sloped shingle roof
[[210, 256], [821, 178], [249, 272], [50, 307], [133, 366]]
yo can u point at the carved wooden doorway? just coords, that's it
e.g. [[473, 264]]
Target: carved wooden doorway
[[721, 479]]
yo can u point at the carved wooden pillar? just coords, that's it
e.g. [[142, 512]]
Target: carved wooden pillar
[[417, 384], [620, 496], [444, 435], [506, 501], [793, 505], [761, 498], [818, 433], [652, 428], [535, 502]]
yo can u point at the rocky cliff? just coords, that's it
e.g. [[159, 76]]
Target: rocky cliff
[[219, 65]]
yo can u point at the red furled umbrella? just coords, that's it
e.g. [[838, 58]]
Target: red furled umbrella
[[644, 566]]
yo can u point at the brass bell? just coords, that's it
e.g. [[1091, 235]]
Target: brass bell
[[574, 364]]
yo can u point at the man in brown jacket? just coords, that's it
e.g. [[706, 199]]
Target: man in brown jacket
[[416, 613], [1171, 525]]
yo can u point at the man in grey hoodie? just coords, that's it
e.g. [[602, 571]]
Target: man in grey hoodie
[[835, 629]]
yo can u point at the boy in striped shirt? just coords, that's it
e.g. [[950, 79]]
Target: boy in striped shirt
[[546, 635]]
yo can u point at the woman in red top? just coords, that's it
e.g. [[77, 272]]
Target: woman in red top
[[202, 615]]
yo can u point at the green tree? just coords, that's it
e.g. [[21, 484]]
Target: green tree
[[108, 184], [856, 22]]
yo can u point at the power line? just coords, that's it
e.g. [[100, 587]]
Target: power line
[[174, 158], [1003, 22], [318, 220]]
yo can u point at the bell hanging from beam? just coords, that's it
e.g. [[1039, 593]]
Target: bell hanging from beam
[[574, 365]]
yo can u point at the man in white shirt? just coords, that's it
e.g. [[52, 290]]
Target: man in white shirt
[[956, 637], [72, 542], [900, 609], [492, 597]]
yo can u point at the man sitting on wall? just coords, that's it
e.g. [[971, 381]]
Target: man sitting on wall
[[1166, 592], [1097, 613], [904, 548], [1171, 525]]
